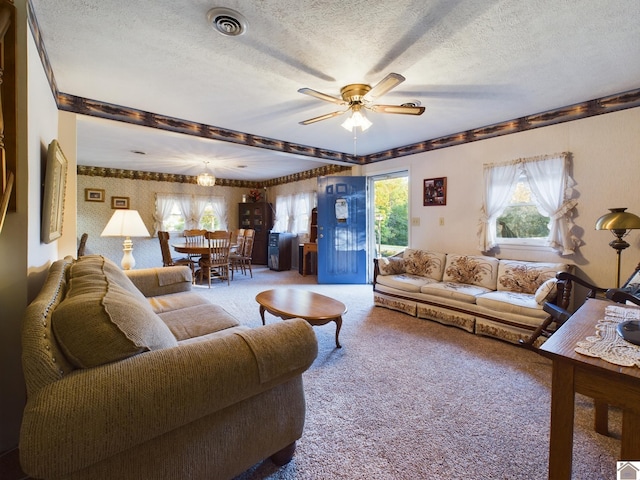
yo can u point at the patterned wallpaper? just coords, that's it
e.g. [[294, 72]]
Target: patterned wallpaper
[[93, 216]]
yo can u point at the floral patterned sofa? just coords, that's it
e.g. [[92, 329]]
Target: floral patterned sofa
[[483, 295]]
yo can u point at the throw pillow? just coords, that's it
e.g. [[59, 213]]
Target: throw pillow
[[99, 321], [546, 291], [390, 265]]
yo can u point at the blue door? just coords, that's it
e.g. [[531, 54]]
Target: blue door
[[342, 230]]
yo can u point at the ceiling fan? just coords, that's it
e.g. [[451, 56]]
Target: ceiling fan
[[359, 96]]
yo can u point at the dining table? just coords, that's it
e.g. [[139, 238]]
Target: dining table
[[201, 248]]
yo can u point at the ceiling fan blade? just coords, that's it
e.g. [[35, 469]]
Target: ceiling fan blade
[[322, 96], [383, 86], [326, 116], [408, 110]]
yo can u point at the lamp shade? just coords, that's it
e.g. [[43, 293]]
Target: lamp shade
[[357, 119], [125, 223], [618, 219]]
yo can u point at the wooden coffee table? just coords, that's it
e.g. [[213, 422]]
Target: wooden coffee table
[[289, 303]]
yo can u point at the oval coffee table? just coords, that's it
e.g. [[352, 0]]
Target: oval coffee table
[[289, 303]]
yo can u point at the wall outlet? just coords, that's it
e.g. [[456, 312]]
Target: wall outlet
[[415, 221], [441, 222]]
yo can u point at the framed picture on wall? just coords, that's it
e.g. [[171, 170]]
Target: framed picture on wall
[[120, 202], [55, 183], [93, 195], [435, 191]]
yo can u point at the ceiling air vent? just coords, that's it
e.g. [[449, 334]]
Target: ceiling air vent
[[227, 22]]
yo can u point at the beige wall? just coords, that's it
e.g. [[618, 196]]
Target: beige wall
[[606, 168]]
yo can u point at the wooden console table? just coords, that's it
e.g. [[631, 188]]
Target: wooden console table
[[605, 382]]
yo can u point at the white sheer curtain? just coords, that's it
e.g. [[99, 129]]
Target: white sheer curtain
[[302, 205], [551, 184], [200, 203], [164, 205], [185, 204], [284, 213], [499, 183], [219, 205]]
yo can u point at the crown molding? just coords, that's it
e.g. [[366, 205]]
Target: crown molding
[[220, 182]]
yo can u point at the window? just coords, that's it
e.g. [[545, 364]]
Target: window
[[176, 221], [209, 221], [521, 196], [293, 212], [521, 220], [176, 212]]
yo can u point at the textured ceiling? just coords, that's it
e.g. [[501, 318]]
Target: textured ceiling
[[471, 63]]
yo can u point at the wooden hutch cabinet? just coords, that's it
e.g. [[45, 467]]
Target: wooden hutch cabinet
[[258, 216]]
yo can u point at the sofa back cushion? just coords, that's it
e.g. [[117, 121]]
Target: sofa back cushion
[[424, 263], [471, 270], [103, 317], [525, 277]]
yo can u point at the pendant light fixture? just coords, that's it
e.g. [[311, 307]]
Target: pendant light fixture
[[205, 179]]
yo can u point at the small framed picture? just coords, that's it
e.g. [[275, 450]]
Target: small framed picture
[[93, 195], [120, 202], [435, 191]]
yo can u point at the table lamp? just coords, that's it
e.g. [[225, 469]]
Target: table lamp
[[620, 223], [126, 223]]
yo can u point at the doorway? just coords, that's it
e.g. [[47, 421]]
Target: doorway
[[389, 210]]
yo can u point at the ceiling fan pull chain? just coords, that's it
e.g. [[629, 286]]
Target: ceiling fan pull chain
[[355, 142]]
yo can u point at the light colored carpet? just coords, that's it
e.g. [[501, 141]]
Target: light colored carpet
[[407, 398]]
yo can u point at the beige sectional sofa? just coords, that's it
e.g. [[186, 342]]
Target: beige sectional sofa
[[134, 376], [480, 294]]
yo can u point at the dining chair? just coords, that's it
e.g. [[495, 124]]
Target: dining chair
[[194, 237], [236, 252], [235, 238], [82, 245], [217, 262], [168, 260], [243, 260]]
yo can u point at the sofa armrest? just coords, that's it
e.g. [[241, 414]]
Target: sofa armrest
[[95, 413], [153, 282]]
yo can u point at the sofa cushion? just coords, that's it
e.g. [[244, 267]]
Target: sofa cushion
[[404, 281], [526, 277], [390, 265], [197, 321], [472, 270], [176, 301], [424, 263], [511, 302], [546, 291], [457, 291], [102, 320]]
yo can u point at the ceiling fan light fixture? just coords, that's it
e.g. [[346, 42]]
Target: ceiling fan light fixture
[[205, 179], [357, 119]]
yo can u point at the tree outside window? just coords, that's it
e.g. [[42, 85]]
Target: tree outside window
[[521, 218]]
